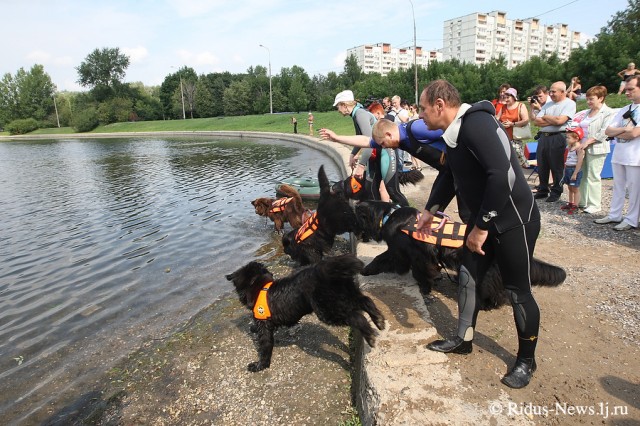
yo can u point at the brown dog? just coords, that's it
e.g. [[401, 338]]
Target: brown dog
[[281, 210]]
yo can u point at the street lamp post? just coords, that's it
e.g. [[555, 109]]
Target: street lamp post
[[55, 105], [270, 91], [184, 116], [415, 65]]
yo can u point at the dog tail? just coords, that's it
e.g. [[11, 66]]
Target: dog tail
[[338, 268], [410, 177], [546, 274], [290, 191]]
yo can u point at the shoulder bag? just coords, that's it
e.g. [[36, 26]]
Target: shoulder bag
[[522, 133]]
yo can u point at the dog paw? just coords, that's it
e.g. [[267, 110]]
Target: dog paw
[[254, 367]]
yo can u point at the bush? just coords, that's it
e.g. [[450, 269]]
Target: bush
[[86, 120], [115, 110], [23, 126]]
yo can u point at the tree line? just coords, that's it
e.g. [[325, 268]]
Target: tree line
[[30, 96]]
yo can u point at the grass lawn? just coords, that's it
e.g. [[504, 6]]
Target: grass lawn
[[264, 123]]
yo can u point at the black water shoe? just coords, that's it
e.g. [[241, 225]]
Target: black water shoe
[[454, 345]]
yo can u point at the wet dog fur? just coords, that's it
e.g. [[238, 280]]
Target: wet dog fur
[[335, 216], [425, 260], [405, 178], [292, 212], [327, 289]]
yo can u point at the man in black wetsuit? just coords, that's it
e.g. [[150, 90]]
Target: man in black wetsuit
[[504, 223]]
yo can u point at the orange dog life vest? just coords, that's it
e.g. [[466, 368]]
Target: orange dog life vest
[[450, 235], [261, 308], [279, 204], [355, 185], [308, 228]]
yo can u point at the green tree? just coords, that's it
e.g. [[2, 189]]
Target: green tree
[[204, 103], [28, 94], [617, 44], [172, 90], [115, 110], [352, 72], [103, 68], [8, 100], [237, 98], [216, 84], [36, 94], [298, 100]]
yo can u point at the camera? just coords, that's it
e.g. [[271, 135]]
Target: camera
[[535, 99], [629, 115]]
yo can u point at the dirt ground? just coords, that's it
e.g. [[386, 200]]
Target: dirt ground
[[588, 353]]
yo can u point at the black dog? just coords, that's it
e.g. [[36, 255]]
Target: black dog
[[383, 221], [327, 288], [316, 236], [353, 188]]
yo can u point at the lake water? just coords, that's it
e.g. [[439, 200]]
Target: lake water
[[107, 243]]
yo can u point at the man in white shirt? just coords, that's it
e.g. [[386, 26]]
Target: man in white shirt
[[625, 161], [552, 121]]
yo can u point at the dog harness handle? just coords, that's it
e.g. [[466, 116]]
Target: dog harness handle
[[279, 204], [261, 308], [308, 228], [445, 234]]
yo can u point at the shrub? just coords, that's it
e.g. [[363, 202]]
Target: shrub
[[86, 120], [23, 126]]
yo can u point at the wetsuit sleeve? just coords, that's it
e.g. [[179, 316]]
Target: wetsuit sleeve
[[421, 132], [442, 191], [489, 144], [366, 128]]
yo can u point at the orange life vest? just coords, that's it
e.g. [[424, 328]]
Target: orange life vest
[[308, 228], [279, 204], [355, 185], [450, 235], [261, 308]]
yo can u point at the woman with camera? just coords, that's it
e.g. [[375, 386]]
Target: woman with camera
[[594, 122]]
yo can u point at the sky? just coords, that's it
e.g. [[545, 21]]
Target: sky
[[161, 36]]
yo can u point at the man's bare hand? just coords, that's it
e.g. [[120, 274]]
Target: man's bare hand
[[476, 240], [424, 225]]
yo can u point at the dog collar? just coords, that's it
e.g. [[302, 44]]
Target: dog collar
[[386, 217], [261, 308]]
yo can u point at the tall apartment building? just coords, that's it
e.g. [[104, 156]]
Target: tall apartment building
[[479, 37], [382, 57]]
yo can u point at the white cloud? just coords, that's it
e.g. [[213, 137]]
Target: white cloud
[[39, 56], [339, 59], [206, 58], [136, 54]]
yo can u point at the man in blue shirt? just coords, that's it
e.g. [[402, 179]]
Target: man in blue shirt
[[413, 137]]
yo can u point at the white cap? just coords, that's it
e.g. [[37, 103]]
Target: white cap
[[344, 96]]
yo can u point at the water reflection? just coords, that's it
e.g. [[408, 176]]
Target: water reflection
[[104, 243]]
